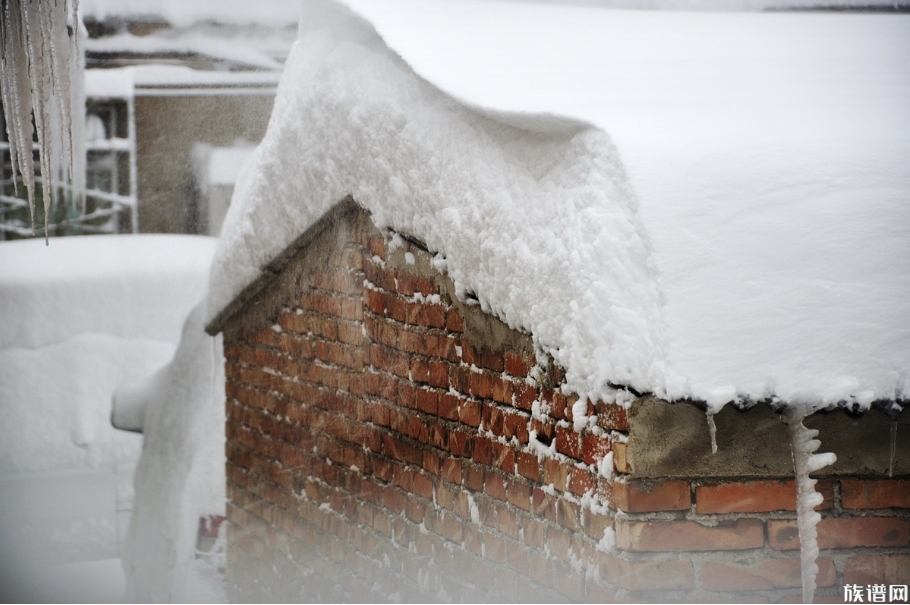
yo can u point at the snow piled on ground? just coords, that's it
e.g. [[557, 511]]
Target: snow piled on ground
[[768, 251], [81, 316], [181, 475]]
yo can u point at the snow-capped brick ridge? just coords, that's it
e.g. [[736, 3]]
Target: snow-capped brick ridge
[[720, 272], [386, 438]]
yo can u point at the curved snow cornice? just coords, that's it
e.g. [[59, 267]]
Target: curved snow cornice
[[770, 255]]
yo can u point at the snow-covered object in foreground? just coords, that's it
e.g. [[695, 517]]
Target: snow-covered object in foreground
[[533, 213], [80, 317], [772, 185], [181, 474]]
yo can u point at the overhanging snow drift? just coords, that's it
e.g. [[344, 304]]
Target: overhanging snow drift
[[532, 214], [767, 258]]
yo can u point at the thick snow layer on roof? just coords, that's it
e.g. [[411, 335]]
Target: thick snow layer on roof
[[760, 246], [128, 286]]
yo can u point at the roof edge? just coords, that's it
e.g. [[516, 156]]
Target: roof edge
[[274, 268]]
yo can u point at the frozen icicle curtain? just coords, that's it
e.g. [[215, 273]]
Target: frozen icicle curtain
[[38, 60]]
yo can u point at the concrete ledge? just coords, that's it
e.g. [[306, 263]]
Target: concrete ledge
[[672, 440]]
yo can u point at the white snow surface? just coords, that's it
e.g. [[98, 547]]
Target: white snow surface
[[80, 317], [187, 12], [181, 475], [127, 286], [747, 236]]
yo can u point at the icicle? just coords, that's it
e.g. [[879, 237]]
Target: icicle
[[802, 446], [712, 428], [37, 56], [893, 444]]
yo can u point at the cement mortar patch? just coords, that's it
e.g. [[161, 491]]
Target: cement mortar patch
[[672, 440]]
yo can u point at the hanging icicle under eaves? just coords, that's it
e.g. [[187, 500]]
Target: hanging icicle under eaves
[[39, 60]]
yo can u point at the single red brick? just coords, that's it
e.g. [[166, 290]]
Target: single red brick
[[494, 486], [472, 477], [377, 247], [858, 493], [516, 425], [524, 396], [877, 569], [612, 416], [668, 495], [454, 321], [677, 536], [470, 412], [581, 481], [461, 444], [594, 448], [766, 575], [439, 374], [673, 574], [451, 470], [844, 533], [427, 401], [754, 496], [519, 494], [555, 473], [568, 442], [481, 385], [448, 407], [422, 486], [528, 466], [516, 364], [620, 462], [483, 450], [502, 390], [503, 457]]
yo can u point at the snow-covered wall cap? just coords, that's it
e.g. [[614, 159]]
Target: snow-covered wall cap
[[182, 13], [768, 257]]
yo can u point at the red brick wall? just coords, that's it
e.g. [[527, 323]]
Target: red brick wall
[[379, 450]]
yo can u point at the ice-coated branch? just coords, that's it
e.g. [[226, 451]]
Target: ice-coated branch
[[38, 62], [802, 446]]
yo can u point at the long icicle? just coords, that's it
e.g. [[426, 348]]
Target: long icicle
[[802, 446], [36, 54]]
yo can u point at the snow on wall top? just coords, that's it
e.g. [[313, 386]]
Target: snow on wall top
[[187, 12], [124, 82], [130, 286], [759, 248]]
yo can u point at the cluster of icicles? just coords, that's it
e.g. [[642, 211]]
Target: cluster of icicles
[[803, 444], [39, 59]]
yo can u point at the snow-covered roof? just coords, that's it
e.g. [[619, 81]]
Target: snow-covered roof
[[724, 212]]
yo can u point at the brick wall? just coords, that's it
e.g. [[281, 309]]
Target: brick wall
[[387, 441]]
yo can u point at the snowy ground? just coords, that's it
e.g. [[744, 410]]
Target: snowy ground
[[81, 317]]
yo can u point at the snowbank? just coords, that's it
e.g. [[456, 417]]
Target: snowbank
[[127, 286], [181, 475], [768, 253], [82, 316]]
